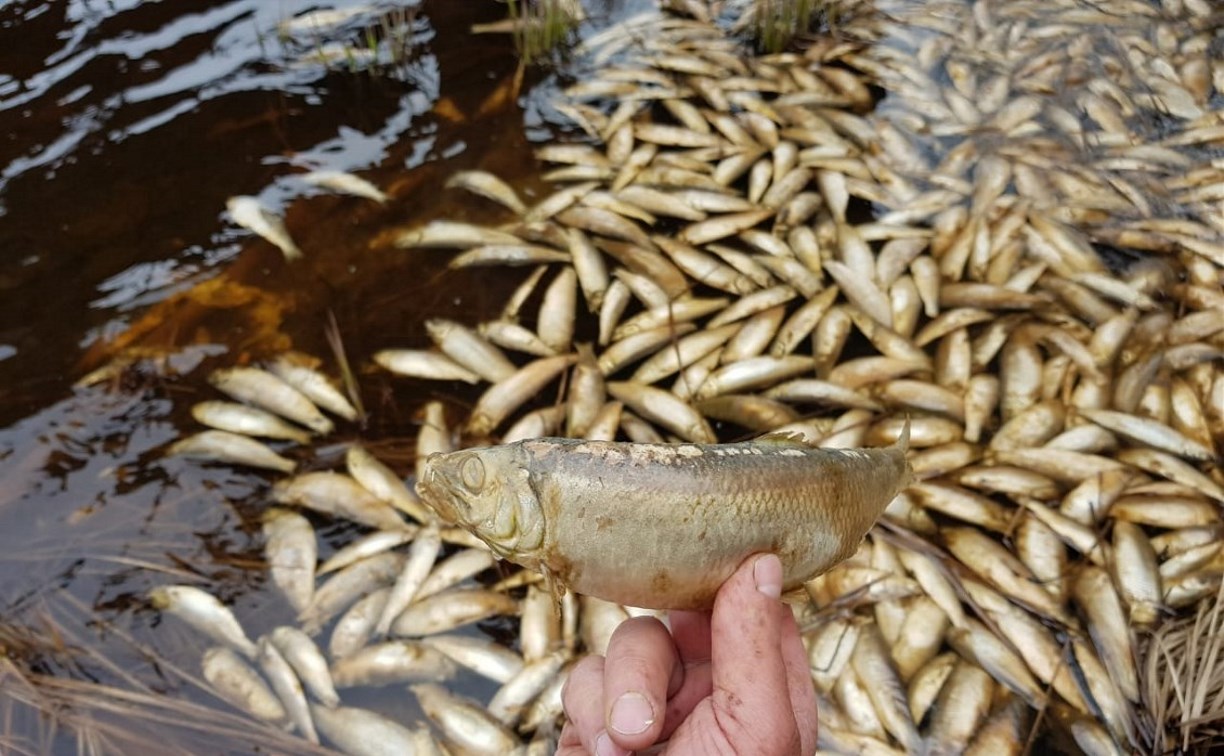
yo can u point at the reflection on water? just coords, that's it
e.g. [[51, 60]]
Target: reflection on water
[[126, 126]]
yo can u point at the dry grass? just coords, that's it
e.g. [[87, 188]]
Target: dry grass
[[1183, 682], [336, 342], [109, 719], [541, 26], [52, 697], [777, 22]]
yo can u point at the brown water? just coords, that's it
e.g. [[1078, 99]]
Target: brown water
[[124, 126]]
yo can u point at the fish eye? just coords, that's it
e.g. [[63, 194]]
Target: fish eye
[[472, 473]]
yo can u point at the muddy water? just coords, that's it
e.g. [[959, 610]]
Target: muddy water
[[124, 126]]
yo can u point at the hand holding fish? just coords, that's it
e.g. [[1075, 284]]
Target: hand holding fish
[[732, 681]]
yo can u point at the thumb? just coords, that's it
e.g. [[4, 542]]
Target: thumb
[[751, 698]]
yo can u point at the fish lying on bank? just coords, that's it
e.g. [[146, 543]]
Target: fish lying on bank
[[251, 215], [688, 514]]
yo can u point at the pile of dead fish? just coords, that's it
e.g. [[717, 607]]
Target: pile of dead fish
[[389, 599], [1067, 407]]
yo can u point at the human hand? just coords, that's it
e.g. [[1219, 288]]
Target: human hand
[[732, 682]]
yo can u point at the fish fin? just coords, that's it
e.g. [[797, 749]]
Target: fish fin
[[902, 441], [555, 586], [796, 596], [783, 438]]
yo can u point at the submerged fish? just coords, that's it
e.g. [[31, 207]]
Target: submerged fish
[[250, 214], [345, 183], [660, 525]]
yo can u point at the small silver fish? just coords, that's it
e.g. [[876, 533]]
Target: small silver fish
[[346, 183], [249, 213]]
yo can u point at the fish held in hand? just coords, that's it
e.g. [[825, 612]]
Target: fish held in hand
[[662, 526]]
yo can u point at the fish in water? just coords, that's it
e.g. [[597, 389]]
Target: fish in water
[[345, 183], [250, 214], [664, 525]]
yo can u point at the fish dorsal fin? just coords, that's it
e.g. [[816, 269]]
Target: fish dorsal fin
[[783, 438]]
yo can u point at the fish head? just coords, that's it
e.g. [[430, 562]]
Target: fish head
[[487, 492], [161, 597]]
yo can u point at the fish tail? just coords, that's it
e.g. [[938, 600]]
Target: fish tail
[[901, 446], [902, 442]]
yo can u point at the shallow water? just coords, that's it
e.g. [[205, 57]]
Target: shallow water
[[125, 126]]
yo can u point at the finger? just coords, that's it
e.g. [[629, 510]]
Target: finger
[[691, 632], [696, 688], [582, 698], [642, 663], [751, 697], [570, 744], [799, 683]]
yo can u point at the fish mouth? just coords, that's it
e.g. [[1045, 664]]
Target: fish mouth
[[438, 492]]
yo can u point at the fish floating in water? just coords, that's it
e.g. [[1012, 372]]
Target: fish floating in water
[[250, 214], [345, 183], [664, 525]]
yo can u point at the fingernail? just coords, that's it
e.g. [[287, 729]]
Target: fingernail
[[767, 574], [605, 747], [631, 714]]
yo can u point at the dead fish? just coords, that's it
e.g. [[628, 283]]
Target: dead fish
[[241, 686], [487, 185], [263, 389], [469, 349], [508, 254], [396, 661], [360, 732], [417, 363], [298, 372], [511, 700], [249, 213], [315, 23], [506, 396], [205, 613], [347, 586], [487, 658], [1155, 434], [247, 421], [223, 446], [421, 558], [464, 723], [384, 484], [454, 235], [1108, 626], [307, 662], [366, 546], [354, 628], [664, 408], [292, 552], [551, 506], [339, 496], [345, 183], [508, 335], [443, 612], [722, 226], [288, 688]]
